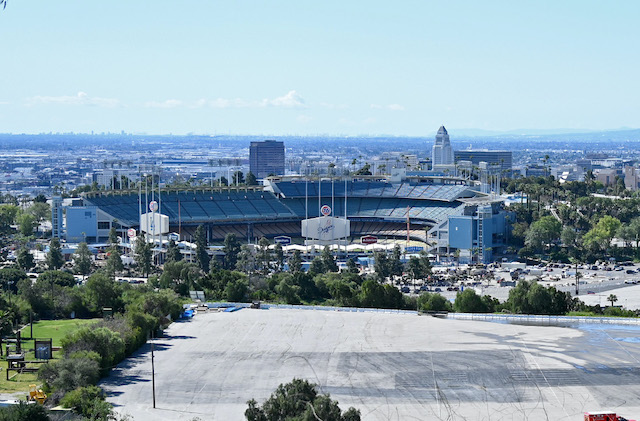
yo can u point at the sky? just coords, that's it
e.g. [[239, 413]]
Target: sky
[[318, 68]]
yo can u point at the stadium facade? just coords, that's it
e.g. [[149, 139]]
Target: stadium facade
[[411, 208]]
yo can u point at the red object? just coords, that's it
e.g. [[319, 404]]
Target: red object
[[602, 416], [369, 239]]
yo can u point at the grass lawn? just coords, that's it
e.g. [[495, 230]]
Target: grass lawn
[[54, 329]]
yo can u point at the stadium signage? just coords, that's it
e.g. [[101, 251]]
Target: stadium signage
[[368, 239], [282, 239], [325, 228], [131, 232], [153, 206], [414, 249], [325, 210]]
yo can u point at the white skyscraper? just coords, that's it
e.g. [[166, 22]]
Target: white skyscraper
[[442, 154]]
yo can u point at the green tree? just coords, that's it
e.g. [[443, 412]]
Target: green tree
[[231, 249], [251, 179], [328, 261], [83, 259], [298, 400], [278, 254], [542, 232], [352, 267], [25, 259], [238, 177], [236, 290], [365, 170], [395, 263], [246, 260], [599, 237], [114, 261], [26, 224], [613, 298], [381, 265], [317, 266], [54, 256], [202, 255], [468, 301], [263, 257], [288, 292], [295, 262], [173, 252], [433, 302], [8, 215], [113, 236], [143, 254], [102, 291], [419, 267]]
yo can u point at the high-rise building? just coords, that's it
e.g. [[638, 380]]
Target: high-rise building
[[442, 154], [501, 159], [266, 158]]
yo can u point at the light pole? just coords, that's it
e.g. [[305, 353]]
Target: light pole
[[153, 376]]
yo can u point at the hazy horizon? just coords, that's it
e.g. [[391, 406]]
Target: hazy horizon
[[339, 69]]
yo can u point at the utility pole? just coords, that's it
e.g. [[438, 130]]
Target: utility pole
[[577, 280], [153, 377]]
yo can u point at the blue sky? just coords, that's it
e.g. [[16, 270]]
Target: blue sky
[[331, 67]]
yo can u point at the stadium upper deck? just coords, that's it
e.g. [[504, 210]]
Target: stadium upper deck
[[285, 203]]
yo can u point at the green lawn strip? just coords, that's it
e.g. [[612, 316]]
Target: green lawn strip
[[44, 329]]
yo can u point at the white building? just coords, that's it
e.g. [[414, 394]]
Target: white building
[[442, 154]]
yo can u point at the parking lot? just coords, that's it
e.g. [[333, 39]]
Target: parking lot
[[390, 366], [594, 280]]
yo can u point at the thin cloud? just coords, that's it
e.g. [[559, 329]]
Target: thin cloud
[[81, 98], [390, 107], [290, 100], [169, 103]]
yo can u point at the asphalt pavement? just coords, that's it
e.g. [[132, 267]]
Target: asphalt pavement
[[390, 366]]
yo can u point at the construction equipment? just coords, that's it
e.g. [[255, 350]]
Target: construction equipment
[[603, 416], [36, 395]]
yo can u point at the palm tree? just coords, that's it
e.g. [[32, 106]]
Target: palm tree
[[612, 298]]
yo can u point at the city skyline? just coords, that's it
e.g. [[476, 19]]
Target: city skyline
[[336, 69]]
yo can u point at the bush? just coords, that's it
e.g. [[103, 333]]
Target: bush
[[468, 301], [87, 401], [298, 400], [69, 374], [107, 343], [433, 302], [23, 412]]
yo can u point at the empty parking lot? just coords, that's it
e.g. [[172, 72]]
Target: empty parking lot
[[390, 366]]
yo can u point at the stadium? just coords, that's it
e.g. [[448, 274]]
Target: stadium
[[412, 208]]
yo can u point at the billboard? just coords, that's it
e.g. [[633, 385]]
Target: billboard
[[368, 239], [154, 223], [326, 228], [282, 239]]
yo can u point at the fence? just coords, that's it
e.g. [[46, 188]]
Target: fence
[[500, 318]]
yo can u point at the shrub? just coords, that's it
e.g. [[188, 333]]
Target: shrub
[[23, 412], [298, 400], [107, 343], [87, 401], [69, 374]]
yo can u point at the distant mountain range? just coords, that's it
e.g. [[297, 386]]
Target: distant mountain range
[[536, 132]]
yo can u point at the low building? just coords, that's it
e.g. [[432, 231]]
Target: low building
[[631, 178], [479, 231]]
